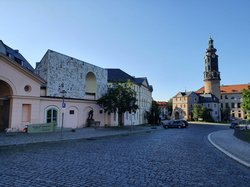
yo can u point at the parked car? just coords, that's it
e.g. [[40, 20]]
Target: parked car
[[233, 125], [184, 121], [174, 124]]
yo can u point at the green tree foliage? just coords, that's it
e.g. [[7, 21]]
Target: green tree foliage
[[198, 112], [154, 115], [170, 107], [225, 114], [120, 98], [207, 115], [246, 101]]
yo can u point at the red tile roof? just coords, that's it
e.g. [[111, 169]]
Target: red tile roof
[[162, 103], [228, 89]]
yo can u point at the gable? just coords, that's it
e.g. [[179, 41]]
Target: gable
[[19, 78]]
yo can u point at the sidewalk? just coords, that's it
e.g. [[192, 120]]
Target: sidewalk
[[14, 139], [233, 147]]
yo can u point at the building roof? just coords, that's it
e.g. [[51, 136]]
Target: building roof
[[141, 80], [208, 98], [117, 75], [184, 94], [228, 89], [162, 104], [16, 56]]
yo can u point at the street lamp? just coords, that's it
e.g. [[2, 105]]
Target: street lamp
[[63, 92]]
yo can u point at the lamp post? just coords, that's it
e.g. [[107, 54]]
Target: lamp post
[[63, 92]]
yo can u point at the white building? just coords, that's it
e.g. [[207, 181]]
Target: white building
[[143, 93]]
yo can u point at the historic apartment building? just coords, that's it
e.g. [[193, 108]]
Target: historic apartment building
[[143, 93], [231, 99], [60, 89], [212, 96], [164, 111]]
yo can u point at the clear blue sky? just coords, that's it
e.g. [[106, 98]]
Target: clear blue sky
[[163, 40]]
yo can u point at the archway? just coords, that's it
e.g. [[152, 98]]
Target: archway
[[177, 115], [90, 83], [5, 93]]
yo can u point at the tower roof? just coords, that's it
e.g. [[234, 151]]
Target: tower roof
[[211, 45]]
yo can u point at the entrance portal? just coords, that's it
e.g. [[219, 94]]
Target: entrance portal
[[5, 93], [176, 115]]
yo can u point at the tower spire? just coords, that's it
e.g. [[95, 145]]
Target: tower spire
[[210, 42]]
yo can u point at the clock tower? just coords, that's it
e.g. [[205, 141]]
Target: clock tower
[[211, 73]]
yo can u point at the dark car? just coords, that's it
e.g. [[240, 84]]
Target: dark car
[[233, 125], [184, 121], [174, 124]]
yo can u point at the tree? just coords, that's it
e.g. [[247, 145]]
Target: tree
[[120, 98], [207, 115], [246, 101], [198, 112], [225, 114], [170, 108], [154, 114]]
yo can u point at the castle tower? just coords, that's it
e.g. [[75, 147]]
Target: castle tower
[[211, 73]]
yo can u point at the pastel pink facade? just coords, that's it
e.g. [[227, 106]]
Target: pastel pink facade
[[23, 102], [34, 96]]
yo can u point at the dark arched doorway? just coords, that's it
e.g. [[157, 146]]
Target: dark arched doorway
[[5, 93], [177, 115]]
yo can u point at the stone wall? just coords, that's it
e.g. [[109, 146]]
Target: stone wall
[[58, 69]]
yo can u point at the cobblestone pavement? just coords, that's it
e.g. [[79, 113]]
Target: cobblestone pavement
[[171, 157]]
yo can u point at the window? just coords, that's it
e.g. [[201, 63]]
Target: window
[[90, 83], [26, 113], [232, 105], [27, 88], [52, 115], [238, 105], [226, 97], [71, 112], [227, 105], [221, 105], [215, 105]]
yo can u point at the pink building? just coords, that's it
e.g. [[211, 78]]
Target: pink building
[[29, 96]]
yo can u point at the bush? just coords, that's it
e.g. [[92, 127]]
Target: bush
[[242, 134]]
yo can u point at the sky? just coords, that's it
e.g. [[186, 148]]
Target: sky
[[163, 40]]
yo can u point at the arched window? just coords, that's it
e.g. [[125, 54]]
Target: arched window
[[90, 83], [52, 115]]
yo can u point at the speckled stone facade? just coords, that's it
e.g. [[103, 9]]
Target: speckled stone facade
[[58, 69]]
